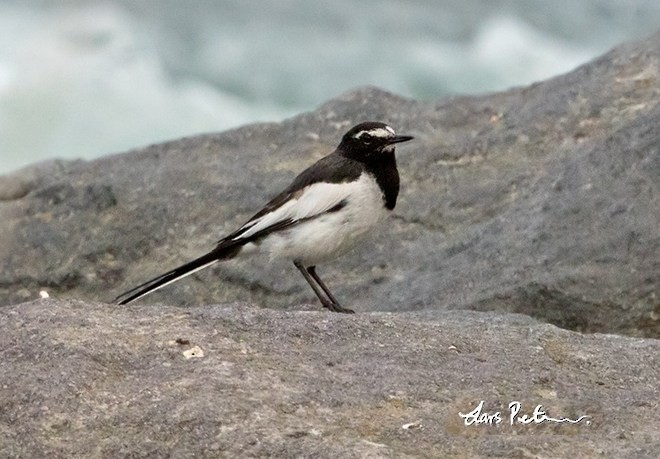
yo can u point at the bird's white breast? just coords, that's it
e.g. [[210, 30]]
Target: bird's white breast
[[330, 234]]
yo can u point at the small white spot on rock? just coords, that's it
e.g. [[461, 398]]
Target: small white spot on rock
[[375, 445], [412, 425], [195, 352], [44, 294]]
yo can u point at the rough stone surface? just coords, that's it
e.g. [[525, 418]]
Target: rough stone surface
[[542, 200], [84, 379]]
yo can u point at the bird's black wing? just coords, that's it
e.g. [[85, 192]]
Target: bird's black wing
[[333, 168]]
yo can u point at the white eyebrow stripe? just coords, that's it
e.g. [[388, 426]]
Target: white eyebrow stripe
[[377, 132]]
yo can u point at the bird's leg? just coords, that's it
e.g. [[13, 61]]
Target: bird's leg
[[337, 307], [327, 303], [313, 280], [312, 272]]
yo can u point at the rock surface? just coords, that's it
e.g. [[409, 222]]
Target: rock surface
[[542, 200], [82, 379]]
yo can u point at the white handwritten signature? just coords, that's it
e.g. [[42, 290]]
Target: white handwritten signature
[[477, 416]]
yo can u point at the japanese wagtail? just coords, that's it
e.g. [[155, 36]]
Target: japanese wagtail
[[321, 215]]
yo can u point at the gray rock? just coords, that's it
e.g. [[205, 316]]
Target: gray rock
[[83, 379], [542, 200]]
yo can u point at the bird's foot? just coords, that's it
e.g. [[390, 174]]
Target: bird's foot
[[335, 307]]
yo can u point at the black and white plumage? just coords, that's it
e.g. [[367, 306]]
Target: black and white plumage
[[321, 215]]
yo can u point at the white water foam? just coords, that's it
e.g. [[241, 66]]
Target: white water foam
[[83, 79]]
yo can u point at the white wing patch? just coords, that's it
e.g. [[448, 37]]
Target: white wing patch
[[315, 199]]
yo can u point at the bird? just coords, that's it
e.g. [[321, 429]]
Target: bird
[[322, 214]]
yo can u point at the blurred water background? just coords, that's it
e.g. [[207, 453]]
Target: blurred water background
[[88, 78]]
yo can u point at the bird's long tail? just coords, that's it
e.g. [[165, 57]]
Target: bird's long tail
[[218, 254]]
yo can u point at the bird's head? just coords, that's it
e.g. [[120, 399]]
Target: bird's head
[[367, 141]]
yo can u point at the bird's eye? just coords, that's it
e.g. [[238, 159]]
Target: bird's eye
[[366, 138]]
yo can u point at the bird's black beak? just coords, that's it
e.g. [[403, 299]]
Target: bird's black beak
[[399, 139]]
